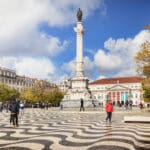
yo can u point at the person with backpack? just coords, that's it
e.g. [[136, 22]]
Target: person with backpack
[[14, 109]]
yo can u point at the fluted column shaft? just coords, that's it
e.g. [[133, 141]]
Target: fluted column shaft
[[79, 49]]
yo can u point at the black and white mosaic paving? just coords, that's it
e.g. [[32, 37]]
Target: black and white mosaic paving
[[72, 130]]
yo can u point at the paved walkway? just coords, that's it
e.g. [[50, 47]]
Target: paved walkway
[[73, 130]]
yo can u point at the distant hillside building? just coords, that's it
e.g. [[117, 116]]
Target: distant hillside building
[[119, 90], [10, 78], [64, 85]]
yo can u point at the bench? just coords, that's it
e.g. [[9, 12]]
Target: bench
[[140, 119]]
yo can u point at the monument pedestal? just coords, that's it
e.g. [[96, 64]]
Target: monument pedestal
[[79, 89]]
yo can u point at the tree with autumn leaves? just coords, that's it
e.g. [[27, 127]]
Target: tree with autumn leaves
[[7, 93], [42, 92], [143, 67]]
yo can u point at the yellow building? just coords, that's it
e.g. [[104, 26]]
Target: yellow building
[[10, 78]]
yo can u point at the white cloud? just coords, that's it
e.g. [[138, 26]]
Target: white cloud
[[70, 67], [39, 68], [20, 20], [101, 77], [119, 59], [89, 67], [8, 62], [106, 62], [35, 43], [55, 46], [22, 41], [33, 67]]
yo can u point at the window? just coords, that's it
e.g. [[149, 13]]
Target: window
[[136, 95]]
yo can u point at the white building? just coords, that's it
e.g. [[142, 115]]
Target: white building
[[10, 78], [64, 85], [119, 90]]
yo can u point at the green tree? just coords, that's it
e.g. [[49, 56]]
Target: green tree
[[56, 96], [146, 70], [7, 93], [28, 94], [147, 93]]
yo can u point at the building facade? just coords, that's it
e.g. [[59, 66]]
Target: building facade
[[64, 85], [10, 78], [119, 90]]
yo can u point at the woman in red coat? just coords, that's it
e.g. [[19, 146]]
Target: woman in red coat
[[109, 110]]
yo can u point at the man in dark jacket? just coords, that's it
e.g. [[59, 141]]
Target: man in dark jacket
[[14, 109], [82, 104]]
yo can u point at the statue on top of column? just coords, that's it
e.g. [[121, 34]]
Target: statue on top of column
[[79, 15]]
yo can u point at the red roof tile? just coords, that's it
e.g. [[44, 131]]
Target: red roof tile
[[118, 80]]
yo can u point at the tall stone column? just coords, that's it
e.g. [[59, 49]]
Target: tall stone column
[[79, 49], [78, 84]]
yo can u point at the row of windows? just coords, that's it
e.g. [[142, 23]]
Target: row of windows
[[13, 75], [9, 81], [7, 73], [135, 86]]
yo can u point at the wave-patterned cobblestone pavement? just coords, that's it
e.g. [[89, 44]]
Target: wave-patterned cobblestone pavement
[[62, 130]]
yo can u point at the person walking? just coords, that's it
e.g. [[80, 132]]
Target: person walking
[[126, 104], [1, 106], [141, 105], [109, 110], [130, 104], [46, 105], [81, 104], [21, 106], [61, 106], [14, 109]]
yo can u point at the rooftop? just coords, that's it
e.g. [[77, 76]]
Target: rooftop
[[118, 80]]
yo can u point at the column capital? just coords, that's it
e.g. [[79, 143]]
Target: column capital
[[79, 28]]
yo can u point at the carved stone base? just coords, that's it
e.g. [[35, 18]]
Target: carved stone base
[[79, 83], [79, 89], [76, 103]]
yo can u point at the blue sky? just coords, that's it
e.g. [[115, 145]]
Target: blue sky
[[37, 37]]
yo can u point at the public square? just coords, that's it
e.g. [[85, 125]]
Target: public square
[[70, 129]]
